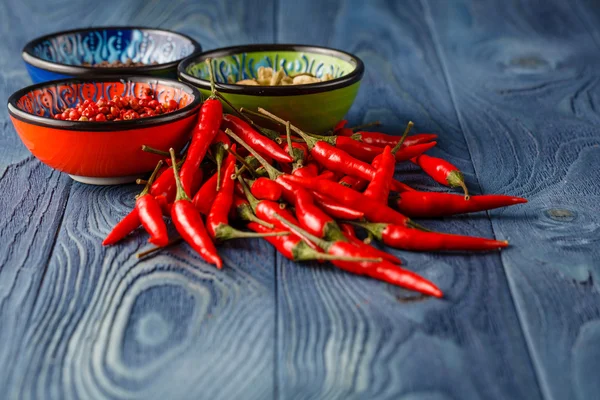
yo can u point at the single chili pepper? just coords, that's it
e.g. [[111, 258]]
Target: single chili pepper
[[350, 234], [383, 270], [379, 187], [335, 209], [410, 239], [188, 222], [373, 210], [127, 225], [150, 213], [218, 149], [217, 221], [265, 189], [209, 121], [432, 205], [261, 144], [442, 172], [381, 139], [245, 213], [295, 249], [205, 196], [354, 183], [310, 217], [164, 185], [334, 159]]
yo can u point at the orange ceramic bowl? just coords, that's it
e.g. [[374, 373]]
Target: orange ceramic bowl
[[101, 153]]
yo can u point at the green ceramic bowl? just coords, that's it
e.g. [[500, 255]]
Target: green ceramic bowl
[[315, 107]]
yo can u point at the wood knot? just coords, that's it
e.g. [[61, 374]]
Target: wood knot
[[560, 214]]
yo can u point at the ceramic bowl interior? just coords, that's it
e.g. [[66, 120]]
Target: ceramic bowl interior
[[70, 53], [101, 152], [315, 107]]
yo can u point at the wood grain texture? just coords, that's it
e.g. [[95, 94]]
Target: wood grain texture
[[342, 336], [527, 101], [104, 324]]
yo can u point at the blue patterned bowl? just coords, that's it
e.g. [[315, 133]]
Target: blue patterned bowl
[[314, 107], [65, 54]]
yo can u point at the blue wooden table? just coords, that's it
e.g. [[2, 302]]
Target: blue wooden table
[[513, 89]]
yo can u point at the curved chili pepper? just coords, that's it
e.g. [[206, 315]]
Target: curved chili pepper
[[218, 149], [350, 234], [373, 210], [265, 189], [245, 213], [209, 121], [335, 209], [359, 150], [150, 213], [127, 225], [205, 196], [432, 205], [442, 172], [411, 239], [379, 187], [383, 270], [188, 222], [261, 144]]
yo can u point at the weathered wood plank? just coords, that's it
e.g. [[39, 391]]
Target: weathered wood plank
[[524, 77], [106, 325], [343, 336]]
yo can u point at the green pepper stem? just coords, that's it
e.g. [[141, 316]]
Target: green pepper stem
[[457, 179], [245, 212], [304, 253], [251, 199], [181, 194], [227, 232], [310, 141], [272, 171], [151, 179], [367, 125], [403, 138], [241, 160], [288, 135], [373, 228], [141, 182], [294, 228], [152, 150], [153, 250], [211, 74]]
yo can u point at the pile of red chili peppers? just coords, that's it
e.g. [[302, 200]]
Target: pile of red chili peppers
[[304, 193]]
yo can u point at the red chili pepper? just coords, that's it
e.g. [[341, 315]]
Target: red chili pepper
[[258, 142], [373, 210], [432, 205], [204, 133], [354, 183], [442, 172], [127, 225], [411, 239], [164, 185], [379, 188], [408, 153], [205, 196], [381, 139], [383, 270], [188, 222], [165, 206], [150, 213], [300, 151], [218, 149], [245, 213], [335, 209], [350, 234], [265, 189], [340, 125]]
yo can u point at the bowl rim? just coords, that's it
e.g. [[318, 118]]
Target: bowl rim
[[107, 126], [293, 90], [78, 70]]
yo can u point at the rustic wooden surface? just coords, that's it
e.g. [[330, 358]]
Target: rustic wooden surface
[[512, 89]]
